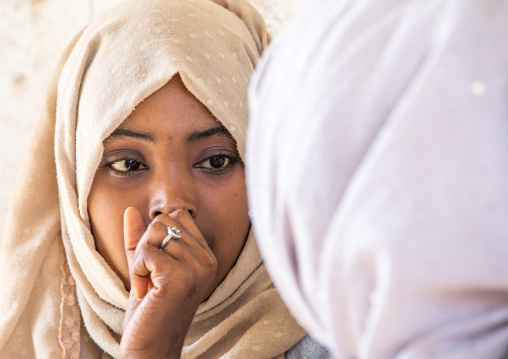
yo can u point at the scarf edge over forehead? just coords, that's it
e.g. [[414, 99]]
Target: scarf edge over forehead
[[86, 113]]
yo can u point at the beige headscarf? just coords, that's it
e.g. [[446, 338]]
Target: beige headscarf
[[49, 263], [379, 138]]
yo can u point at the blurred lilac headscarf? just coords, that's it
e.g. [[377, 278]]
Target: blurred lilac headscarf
[[378, 175]]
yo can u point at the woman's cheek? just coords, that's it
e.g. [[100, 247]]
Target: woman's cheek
[[105, 208]]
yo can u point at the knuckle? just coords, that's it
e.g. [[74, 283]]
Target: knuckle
[[210, 265], [141, 260], [141, 254], [156, 225], [137, 266]]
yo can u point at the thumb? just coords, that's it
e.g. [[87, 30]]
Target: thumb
[[133, 229]]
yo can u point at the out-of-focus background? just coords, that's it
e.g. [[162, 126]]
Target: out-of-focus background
[[33, 33]]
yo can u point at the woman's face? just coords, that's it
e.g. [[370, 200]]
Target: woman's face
[[169, 154]]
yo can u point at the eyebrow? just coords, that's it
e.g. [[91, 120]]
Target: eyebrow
[[195, 136], [214, 131], [123, 132]]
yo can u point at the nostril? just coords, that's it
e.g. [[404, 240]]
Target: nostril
[[156, 213]]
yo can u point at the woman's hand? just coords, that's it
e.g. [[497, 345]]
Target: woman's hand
[[167, 285]]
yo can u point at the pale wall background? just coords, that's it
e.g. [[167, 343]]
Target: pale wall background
[[33, 33]]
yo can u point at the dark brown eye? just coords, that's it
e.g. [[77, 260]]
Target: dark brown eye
[[218, 161], [126, 165], [132, 165]]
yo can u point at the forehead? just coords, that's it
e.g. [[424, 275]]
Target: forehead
[[172, 107], [170, 112]]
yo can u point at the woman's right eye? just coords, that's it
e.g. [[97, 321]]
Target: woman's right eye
[[126, 166]]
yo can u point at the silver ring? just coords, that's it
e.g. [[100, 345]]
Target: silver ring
[[172, 232]]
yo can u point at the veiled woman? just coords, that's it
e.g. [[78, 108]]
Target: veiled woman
[[132, 197]]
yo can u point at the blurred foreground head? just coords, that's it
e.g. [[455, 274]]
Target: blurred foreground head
[[377, 164]]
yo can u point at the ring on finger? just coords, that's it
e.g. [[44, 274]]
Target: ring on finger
[[172, 232]]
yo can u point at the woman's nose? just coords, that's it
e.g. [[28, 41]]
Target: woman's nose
[[167, 197]]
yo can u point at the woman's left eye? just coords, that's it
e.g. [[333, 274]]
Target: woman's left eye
[[215, 162], [218, 164]]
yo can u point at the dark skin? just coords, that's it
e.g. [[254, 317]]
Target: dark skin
[[169, 164]]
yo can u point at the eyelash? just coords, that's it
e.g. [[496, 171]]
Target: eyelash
[[218, 171], [118, 173], [214, 171]]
